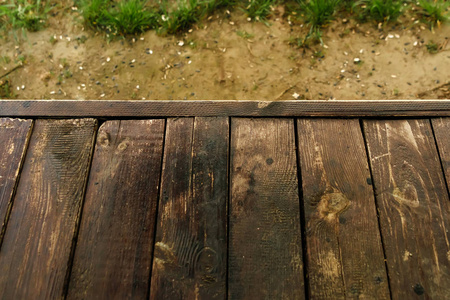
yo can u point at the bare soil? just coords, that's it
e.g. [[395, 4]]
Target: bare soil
[[228, 58]]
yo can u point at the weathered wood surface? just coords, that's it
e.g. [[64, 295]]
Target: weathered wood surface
[[344, 250], [14, 136], [265, 255], [191, 239], [413, 206], [441, 128], [204, 108], [114, 249], [37, 244]]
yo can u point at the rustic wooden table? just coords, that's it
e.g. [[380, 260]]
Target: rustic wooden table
[[243, 200]]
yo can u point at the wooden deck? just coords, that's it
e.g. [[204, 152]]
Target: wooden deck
[[217, 204]]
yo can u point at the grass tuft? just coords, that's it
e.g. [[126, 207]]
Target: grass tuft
[[434, 11], [23, 14], [318, 13], [379, 10]]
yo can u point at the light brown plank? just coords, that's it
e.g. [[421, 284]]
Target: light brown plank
[[114, 249], [265, 237], [191, 239], [37, 244], [441, 128], [344, 250], [413, 206], [14, 136], [207, 108]]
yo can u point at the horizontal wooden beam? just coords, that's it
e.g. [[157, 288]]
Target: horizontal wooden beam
[[237, 108]]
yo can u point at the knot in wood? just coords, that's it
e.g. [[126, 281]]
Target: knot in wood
[[332, 204]]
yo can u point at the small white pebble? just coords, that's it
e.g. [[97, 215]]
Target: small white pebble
[[391, 36], [295, 95], [189, 62], [397, 36], [342, 71], [151, 52], [249, 19], [22, 87], [60, 37], [394, 76], [356, 60], [181, 43], [415, 43], [102, 95], [108, 59], [361, 51], [137, 86], [83, 85], [345, 53], [68, 38], [133, 61], [81, 68], [141, 38], [52, 92], [325, 46], [18, 88], [78, 87], [231, 23]]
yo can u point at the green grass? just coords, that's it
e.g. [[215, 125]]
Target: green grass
[[434, 11], [123, 18], [382, 11], [23, 14], [318, 13]]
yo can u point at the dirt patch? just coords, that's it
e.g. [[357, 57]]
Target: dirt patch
[[229, 58]]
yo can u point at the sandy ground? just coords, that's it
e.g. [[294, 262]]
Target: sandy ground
[[229, 58]]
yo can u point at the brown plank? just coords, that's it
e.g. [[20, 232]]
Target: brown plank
[[413, 205], [441, 128], [191, 239], [114, 249], [205, 108], [265, 237], [344, 250], [37, 244], [14, 136]]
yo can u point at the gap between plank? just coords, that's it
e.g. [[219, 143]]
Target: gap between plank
[[80, 214], [155, 223], [361, 126], [302, 212], [440, 158], [228, 206], [16, 183]]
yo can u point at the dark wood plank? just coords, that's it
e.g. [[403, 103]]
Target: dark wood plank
[[413, 205], [114, 249], [37, 244], [345, 254], [265, 236], [205, 108], [14, 136], [441, 128], [191, 239]]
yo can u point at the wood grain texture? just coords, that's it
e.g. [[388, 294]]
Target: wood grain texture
[[265, 255], [14, 136], [207, 108], [37, 244], [441, 128], [345, 254], [114, 249], [413, 205], [191, 239]]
